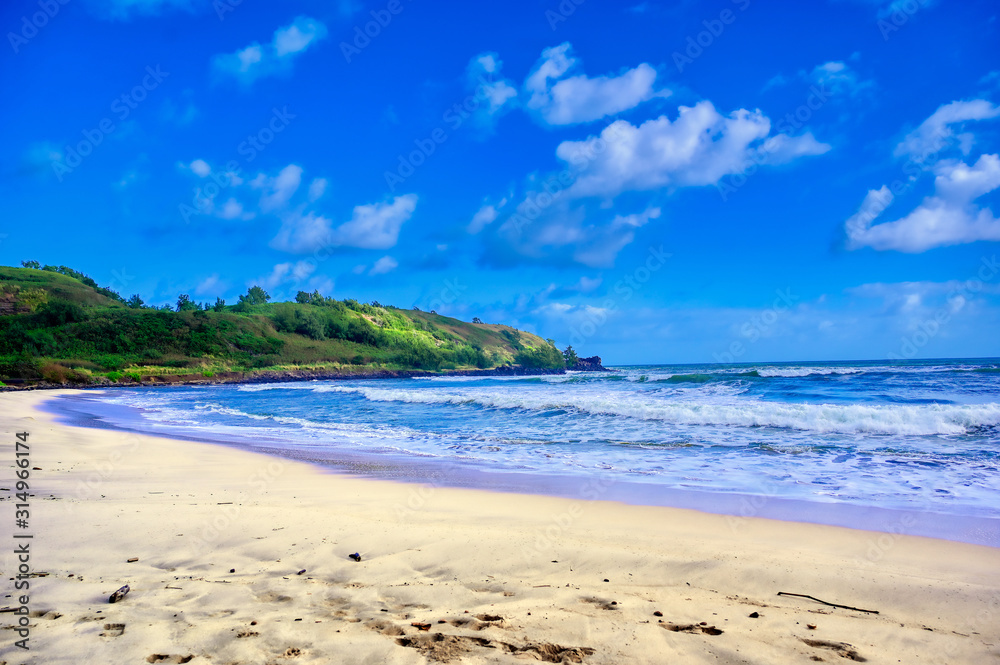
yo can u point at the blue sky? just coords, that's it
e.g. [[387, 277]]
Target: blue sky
[[682, 182]]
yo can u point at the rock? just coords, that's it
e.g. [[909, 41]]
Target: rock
[[591, 364], [754, 615], [118, 595]]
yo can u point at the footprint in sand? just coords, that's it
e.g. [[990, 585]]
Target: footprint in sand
[[842, 649], [164, 658], [602, 603], [113, 629], [692, 628]]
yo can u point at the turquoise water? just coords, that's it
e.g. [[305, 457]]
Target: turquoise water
[[921, 436]]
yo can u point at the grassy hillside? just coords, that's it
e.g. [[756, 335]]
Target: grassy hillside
[[64, 328]]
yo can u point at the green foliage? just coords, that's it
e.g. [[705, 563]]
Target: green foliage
[[185, 304], [543, 356], [255, 296], [569, 355], [78, 331]]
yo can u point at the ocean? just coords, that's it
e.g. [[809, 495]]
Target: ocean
[[902, 447]]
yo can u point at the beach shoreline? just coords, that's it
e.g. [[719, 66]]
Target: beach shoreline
[[493, 576]]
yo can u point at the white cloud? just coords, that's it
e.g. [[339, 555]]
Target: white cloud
[[233, 209], [563, 101], [484, 217], [373, 226], [376, 226], [287, 272], [316, 188], [947, 218], [212, 285], [384, 265], [698, 148], [500, 94], [200, 167], [278, 190], [257, 61], [301, 233], [936, 133]]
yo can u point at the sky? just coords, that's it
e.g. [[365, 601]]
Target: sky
[[686, 182]]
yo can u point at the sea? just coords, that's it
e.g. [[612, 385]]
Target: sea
[[908, 447]]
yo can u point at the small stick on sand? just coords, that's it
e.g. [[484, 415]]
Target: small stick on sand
[[846, 607]]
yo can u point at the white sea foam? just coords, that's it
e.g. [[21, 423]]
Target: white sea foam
[[921, 419]]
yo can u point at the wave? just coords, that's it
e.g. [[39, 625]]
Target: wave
[[922, 419]]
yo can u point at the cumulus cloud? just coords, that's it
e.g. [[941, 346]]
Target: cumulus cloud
[[559, 99], [277, 191], [257, 61], [286, 272], [949, 217], [372, 226], [384, 265], [200, 167], [937, 132], [698, 148], [489, 86]]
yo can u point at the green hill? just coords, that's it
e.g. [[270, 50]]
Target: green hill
[[59, 326]]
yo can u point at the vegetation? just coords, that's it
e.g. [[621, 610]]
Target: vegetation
[[57, 324]]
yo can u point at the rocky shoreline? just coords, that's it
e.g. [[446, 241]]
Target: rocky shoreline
[[592, 364]]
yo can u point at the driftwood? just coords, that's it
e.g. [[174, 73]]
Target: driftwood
[[846, 607], [118, 595]]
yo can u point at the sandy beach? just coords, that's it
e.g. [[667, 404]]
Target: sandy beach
[[244, 558]]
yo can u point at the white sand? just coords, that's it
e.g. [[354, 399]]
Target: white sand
[[191, 512]]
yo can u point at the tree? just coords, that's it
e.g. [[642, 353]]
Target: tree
[[255, 296], [219, 305], [135, 302], [570, 355], [31, 264], [185, 304], [303, 298], [476, 319]]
